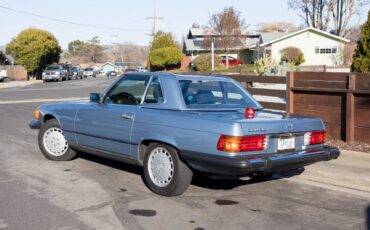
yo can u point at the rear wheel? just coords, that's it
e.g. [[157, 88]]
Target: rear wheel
[[165, 173], [52, 142]]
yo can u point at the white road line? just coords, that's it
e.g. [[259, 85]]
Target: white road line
[[42, 100]]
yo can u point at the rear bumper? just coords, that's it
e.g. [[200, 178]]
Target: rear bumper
[[241, 166]]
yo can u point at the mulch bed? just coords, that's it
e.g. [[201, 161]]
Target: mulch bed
[[355, 146]]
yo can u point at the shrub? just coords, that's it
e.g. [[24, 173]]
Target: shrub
[[292, 55], [204, 62], [164, 52], [264, 65], [166, 58]]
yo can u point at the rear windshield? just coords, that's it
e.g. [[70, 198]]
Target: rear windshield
[[215, 94]]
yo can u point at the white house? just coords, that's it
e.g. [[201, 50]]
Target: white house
[[318, 47]]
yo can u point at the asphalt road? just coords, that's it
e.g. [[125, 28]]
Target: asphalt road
[[95, 193]]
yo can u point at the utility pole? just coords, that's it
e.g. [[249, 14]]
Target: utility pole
[[114, 43], [154, 18]]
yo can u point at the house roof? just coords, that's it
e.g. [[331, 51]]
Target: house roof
[[275, 37], [107, 63]]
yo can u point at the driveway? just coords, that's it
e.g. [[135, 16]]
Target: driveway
[[95, 193]]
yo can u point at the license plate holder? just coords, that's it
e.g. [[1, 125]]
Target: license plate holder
[[286, 143]]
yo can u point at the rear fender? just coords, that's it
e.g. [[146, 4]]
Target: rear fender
[[150, 139]]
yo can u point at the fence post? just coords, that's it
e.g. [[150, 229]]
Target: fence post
[[350, 109], [324, 68], [289, 92]]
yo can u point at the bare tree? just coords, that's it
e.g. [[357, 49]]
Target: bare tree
[[343, 11], [321, 13], [93, 50], [226, 27], [276, 27], [315, 13], [130, 52]]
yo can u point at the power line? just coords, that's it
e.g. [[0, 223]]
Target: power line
[[66, 21]]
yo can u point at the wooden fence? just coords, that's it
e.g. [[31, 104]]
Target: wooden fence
[[248, 81], [342, 100], [15, 72]]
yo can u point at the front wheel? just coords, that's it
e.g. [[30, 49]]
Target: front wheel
[[52, 142], [164, 172]]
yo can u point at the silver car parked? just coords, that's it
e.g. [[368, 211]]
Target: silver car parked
[[55, 72]]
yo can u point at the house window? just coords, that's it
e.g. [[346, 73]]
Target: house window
[[325, 50]]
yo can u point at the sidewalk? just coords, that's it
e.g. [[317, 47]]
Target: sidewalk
[[9, 84], [349, 173]]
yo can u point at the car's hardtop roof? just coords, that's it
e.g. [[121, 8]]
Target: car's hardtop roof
[[184, 76]]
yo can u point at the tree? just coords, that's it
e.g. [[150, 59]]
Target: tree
[[361, 58], [93, 50], [163, 40], [166, 58], [34, 49], [292, 55], [76, 47], [226, 27], [130, 52], [164, 52], [315, 13], [204, 62], [276, 27], [320, 13]]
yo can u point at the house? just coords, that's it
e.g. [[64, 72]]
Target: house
[[106, 67], [318, 47]]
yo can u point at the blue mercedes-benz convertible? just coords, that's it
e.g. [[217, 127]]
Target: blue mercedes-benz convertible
[[173, 125]]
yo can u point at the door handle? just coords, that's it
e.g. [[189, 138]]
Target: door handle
[[126, 116]]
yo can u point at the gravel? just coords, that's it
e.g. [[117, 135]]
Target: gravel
[[354, 146]]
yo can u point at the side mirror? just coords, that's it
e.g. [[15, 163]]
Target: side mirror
[[95, 98]]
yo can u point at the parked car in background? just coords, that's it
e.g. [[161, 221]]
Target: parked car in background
[[232, 61], [173, 125], [89, 72], [111, 73], [3, 75], [141, 69], [129, 70], [76, 72], [55, 72]]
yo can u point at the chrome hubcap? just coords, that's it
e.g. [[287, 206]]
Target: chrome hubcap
[[54, 142], [161, 167]]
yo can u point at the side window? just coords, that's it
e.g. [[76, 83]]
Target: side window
[[127, 91], [154, 94]]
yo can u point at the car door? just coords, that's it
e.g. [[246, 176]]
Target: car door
[[107, 125]]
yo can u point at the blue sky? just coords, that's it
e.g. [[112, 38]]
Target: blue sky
[[130, 17]]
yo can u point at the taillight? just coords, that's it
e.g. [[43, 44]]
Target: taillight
[[315, 138], [241, 144], [249, 113]]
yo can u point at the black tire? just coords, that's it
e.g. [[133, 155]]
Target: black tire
[[181, 177], [68, 155]]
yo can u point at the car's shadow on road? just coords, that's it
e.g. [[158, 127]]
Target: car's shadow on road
[[199, 179], [230, 183], [111, 163]]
